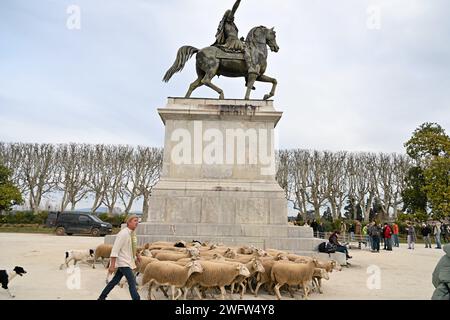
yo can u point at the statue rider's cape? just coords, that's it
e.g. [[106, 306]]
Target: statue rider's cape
[[221, 38]]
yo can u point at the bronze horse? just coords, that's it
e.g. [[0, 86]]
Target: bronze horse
[[212, 61]]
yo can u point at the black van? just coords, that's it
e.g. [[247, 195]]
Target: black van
[[79, 223]]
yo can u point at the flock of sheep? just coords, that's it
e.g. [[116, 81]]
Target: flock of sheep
[[201, 268]]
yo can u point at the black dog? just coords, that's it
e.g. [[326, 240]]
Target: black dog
[[7, 275]]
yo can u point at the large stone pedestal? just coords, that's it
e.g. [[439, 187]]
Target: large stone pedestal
[[218, 180]]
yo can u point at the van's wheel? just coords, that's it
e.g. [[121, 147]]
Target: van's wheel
[[60, 231], [95, 232], [69, 234]]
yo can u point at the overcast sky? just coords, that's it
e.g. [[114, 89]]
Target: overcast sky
[[344, 83]]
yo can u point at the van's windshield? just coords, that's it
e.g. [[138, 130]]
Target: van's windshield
[[95, 218]]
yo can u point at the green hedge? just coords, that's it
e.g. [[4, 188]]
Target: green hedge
[[24, 217], [115, 220]]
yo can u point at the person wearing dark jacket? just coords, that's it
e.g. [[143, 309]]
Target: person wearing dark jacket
[[340, 248], [314, 226], [374, 233], [441, 277], [321, 230], [426, 231]]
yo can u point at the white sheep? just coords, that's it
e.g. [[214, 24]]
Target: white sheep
[[77, 255], [216, 274], [254, 266], [292, 274], [167, 273], [318, 275], [175, 256], [102, 251]]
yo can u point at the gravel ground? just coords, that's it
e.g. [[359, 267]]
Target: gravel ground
[[402, 274]]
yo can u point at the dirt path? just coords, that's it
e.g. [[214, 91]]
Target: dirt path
[[404, 274]]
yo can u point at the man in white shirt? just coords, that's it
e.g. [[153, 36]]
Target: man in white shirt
[[123, 256]]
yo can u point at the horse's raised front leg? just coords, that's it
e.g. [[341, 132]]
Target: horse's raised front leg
[[264, 78], [207, 82], [194, 85], [251, 81]]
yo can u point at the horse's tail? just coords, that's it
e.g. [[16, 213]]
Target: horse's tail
[[183, 55]]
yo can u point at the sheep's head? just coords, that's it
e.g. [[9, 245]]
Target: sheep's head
[[261, 253], [243, 270], [213, 246], [193, 252], [257, 265], [217, 256], [321, 273], [194, 267], [230, 253], [315, 262], [336, 265], [324, 274], [281, 256]]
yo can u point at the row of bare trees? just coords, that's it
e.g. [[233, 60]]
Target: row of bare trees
[[108, 174], [313, 179], [113, 176]]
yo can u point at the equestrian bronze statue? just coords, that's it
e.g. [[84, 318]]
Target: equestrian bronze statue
[[230, 56]]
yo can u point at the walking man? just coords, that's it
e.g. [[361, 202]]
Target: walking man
[[123, 256]]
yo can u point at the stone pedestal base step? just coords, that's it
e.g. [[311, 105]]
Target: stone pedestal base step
[[280, 243]]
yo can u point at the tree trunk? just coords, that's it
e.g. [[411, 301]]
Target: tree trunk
[[145, 207]]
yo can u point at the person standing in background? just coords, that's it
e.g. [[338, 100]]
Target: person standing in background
[[395, 232], [426, 231], [411, 232], [437, 235]]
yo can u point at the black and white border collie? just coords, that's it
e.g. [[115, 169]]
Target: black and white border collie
[[7, 275]]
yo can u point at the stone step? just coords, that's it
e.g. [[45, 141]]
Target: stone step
[[280, 243]]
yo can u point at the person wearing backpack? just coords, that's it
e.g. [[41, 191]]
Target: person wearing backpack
[[340, 248], [374, 232]]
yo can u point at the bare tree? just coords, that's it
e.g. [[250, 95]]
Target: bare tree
[[284, 175], [98, 175], [336, 174], [299, 168], [151, 159], [116, 158], [38, 171], [73, 173]]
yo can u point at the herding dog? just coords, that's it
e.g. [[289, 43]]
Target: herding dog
[[7, 275]]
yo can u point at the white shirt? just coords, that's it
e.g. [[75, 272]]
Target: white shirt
[[122, 249]]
